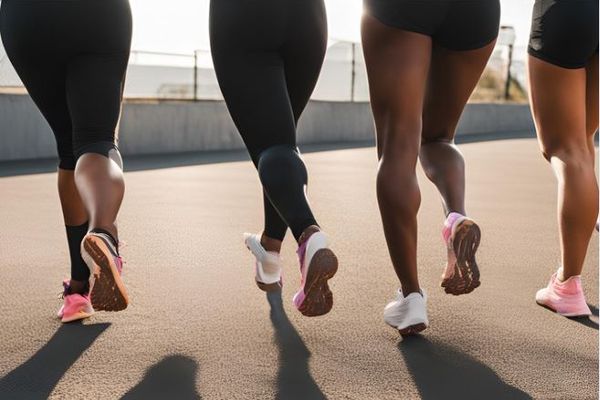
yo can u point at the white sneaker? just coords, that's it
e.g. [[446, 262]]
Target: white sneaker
[[268, 264], [407, 314]]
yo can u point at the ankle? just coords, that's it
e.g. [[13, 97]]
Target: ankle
[[78, 287], [411, 288], [307, 233], [111, 231], [270, 244]]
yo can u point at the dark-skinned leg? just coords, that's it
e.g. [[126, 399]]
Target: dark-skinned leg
[[452, 77], [397, 64]]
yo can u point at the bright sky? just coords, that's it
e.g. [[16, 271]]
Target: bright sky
[[182, 25]]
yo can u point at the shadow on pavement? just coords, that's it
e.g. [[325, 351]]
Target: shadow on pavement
[[293, 379], [37, 377], [441, 372], [174, 377], [588, 321]]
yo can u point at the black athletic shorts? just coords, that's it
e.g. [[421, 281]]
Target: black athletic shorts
[[564, 32], [452, 24]]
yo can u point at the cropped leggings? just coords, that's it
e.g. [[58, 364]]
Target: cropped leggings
[[268, 55], [72, 57]]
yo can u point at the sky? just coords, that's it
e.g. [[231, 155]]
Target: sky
[[181, 26]]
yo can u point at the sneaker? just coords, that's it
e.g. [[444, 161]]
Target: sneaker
[[268, 264], [565, 298], [407, 314], [462, 237], [76, 306], [107, 291], [318, 264]]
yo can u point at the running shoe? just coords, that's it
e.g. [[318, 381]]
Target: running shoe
[[565, 298], [108, 293], [268, 264], [462, 236], [318, 264], [76, 306], [407, 314]]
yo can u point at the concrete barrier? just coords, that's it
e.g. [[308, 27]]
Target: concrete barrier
[[172, 127]]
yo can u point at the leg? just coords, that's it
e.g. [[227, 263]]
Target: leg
[[591, 100], [397, 65], [266, 124], [452, 78], [94, 87], [47, 89], [558, 99]]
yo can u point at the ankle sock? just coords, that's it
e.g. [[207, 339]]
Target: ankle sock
[[114, 240]]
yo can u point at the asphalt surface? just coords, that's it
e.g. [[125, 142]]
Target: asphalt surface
[[199, 328]]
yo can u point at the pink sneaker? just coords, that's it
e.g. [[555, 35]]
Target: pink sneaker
[[318, 264], [107, 292], [565, 298], [462, 237], [76, 306]]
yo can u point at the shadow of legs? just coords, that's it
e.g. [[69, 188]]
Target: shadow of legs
[[590, 322], [293, 379], [174, 377], [37, 377], [441, 372]]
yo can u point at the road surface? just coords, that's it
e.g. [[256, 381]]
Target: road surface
[[199, 328]]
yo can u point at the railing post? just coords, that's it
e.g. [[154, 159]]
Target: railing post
[[196, 75]]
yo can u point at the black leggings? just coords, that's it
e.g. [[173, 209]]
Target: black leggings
[[268, 55], [72, 57]]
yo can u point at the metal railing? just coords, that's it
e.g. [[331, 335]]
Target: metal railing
[[191, 77]]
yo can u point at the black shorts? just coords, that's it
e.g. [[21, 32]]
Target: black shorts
[[452, 24], [564, 32]]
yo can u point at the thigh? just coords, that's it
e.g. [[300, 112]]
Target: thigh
[[397, 65], [304, 53], [94, 93], [591, 95], [558, 101], [452, 77]]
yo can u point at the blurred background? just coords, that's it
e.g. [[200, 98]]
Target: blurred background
[[171, 55]]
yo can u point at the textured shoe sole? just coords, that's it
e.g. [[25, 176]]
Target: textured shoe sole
[[567, 315], [466, 274], [319, 299], [108, 292], [412, 330]]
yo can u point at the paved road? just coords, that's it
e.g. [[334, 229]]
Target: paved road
[[199, 328]]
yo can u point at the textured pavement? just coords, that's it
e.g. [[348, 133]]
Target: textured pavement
[[199, 328]]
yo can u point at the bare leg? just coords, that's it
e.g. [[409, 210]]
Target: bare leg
[[452, 78], [397, 63], [100, 184], [558, 99]]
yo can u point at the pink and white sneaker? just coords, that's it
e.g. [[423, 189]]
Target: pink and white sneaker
[[462, 237], [318, 264], [565, 298], [107, 291], [76, 306], [268, 264]]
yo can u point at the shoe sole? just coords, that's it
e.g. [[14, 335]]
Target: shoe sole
[[318, 298], [566, 315], [269, 287], [108, 292], [77, 317], [466, 274], [413, 329]]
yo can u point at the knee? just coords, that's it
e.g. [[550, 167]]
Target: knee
[[107, 149], [398, 188], [575, 157], [278, 165]]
